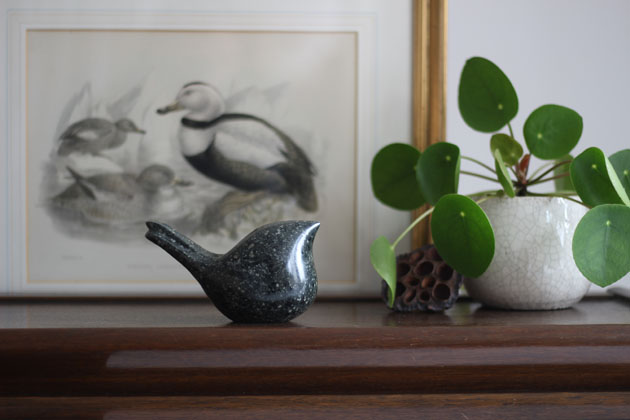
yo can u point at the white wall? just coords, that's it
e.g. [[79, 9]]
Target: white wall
[[574, 53]]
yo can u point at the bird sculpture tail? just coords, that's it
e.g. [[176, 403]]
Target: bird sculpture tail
[[187, 252]]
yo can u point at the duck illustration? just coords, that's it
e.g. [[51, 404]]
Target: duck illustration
[[124, 197], [240, 150], [94, 135]]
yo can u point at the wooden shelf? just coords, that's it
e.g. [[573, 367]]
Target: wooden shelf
[[346, 356]]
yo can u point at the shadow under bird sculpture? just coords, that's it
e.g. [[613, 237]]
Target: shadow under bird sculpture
[[268, 277], [241, 150]]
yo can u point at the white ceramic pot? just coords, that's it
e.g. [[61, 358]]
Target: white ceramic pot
[[533, 265]]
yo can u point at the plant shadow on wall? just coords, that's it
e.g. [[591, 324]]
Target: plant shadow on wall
[[486, 235], [225, 173]]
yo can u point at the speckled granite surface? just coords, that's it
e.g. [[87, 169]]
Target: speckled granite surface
[[533, 265], [268, 277]]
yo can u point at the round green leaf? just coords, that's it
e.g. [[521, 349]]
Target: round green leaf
[[438, 171], [462, 234], [621, 162], [563, 184], [394, 177], [511, 150], [487, 99], [383, 260], [502, 174], [601, 244], [590, 177], [616, 183], [552, 131]]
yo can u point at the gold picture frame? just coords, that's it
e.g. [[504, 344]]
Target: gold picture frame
[[429, 86]]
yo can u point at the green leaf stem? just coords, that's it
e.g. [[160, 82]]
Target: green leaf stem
[[502, 174]]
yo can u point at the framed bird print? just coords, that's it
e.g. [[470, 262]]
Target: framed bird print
[[214, 117]]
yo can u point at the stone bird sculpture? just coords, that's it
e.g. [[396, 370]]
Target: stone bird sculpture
[[268, 277]]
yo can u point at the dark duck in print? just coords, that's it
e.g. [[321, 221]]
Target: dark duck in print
[[123, 198], [240, 150], [94, 135]]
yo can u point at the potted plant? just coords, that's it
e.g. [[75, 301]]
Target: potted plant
[[516, 248]]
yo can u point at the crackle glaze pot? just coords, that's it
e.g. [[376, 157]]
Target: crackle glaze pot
[[533, 265]]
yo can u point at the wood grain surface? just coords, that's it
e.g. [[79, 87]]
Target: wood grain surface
[[361, 351], [558, 406]]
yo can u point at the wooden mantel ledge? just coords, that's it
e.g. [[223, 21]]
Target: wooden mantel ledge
[[178, 348], [65, 313]]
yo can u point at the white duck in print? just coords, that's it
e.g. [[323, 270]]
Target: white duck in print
[[240, 150]]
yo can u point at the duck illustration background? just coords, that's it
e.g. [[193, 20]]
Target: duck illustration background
[[123, 198], [96, 183], [240, 150], [305, 84], [246, 171]]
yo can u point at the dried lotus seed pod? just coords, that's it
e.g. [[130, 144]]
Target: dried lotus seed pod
[[424, 282]]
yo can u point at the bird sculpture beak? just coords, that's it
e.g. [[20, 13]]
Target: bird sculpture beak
[[175, 106], [139, 131]]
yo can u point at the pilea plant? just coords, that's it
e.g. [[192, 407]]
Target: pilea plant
[[405, 179]]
